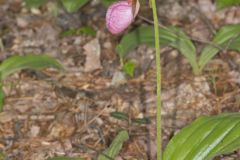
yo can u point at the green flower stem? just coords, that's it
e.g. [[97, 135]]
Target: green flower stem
[[158, 69]]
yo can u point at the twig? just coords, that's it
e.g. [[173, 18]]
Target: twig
[[92, 120]]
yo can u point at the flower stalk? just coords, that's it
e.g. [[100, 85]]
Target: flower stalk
[[158, 78], [119, 16]]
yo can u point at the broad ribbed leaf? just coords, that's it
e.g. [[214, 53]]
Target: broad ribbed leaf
[[2, 96], [205, 138], [141, 35], [144, 35], [227, 37], [2, 156], [35, 3], [171, 36], [107, 3], [115, 147], [186, 48], [226, 3], [235, 45], [73, 5], [17, 63]]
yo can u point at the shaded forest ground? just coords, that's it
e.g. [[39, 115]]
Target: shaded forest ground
[[53, 113]]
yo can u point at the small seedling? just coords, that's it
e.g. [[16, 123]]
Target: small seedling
[[124, 117], [129, 68]]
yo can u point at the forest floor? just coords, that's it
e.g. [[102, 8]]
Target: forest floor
[[52, 113]]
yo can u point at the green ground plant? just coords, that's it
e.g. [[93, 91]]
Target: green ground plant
[[17, 63], [203, 139], [69, 5], [206, 137], [226, 3], [227, 38]]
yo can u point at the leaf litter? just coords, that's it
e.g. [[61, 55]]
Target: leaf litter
[[52, 113]]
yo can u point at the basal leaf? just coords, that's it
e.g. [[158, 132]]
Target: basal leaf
[[142, 35], [35, 3], [186, 48], [171, 36], [31, 61], [2, 96], [106, 3], [226, 37], [226, 3], [226, 33], [73, 5], [205, 138], [2, 156], [115, 147], [235, 45]]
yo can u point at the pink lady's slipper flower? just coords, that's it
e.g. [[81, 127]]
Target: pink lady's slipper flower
[[120, 15]]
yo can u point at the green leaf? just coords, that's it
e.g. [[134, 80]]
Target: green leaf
[[64, 158], [35, 3], [120, 116], [171, 36], [129, 68], [141, 35], [77, 31], [183, 43], [115, 147], [87, 30], [144, 120], [235, 45], [2, 156], [226, 35], [73, 5], [2, 96], [31, 61], [106, 3], [69, 32], [226, 3], [205, 138]]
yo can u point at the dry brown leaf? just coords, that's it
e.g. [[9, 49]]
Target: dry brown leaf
[[6, 117], [93, 52]]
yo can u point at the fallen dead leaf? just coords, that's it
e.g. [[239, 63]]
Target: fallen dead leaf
[[34, 131], [6, 117], [93, 52]]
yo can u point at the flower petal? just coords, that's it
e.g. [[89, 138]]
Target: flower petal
[[119, 16]]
